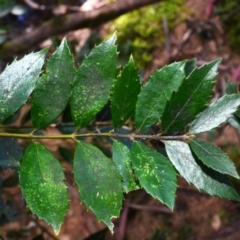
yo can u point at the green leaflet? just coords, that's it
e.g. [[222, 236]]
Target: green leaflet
[[190, 66], [234, 121], [10, 153], [98, 181], [213, 157], [218, 112], [191, 98], [231, 88], [93, 82], [155, 94], [124, 94], [18, 81], [41, 180], [155, 173], [52, 91], [212, 182], [121, 157]]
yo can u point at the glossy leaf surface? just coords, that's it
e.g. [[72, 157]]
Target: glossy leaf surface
[[93, 82], [53, 88], [155, 173], [191, 98], [98, 181], [18, 81], [122, 159], [10, 153], [41, 180], [203, 178], [213, 157], [218, 112], [155, 94], [124, 94]]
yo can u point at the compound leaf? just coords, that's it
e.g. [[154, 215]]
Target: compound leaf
[[53, 89], [124, 94], [98, 181], [191, 97], [10, 153], [213, 157], [218, 112], [155, 94], [18, 81], [93, 82], [155, 173], [122, 159], [202, 177], [41, 180]]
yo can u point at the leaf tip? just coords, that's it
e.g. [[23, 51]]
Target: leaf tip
[[113, 38]]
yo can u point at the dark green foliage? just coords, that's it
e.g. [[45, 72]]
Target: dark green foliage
[[174, 97], [93, 81], [213, 157], [191, 98], [41, 178], [99, 182], [124, 94], [122, 158], [155, 93], [53, 89], [155, 173]]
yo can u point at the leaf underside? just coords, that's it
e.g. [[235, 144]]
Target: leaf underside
[[217, 113], [155, 94], [202, 177], [155, 173], [213, 157], [124, 94], [41, 179], [18, 81], [93, 82], [191, 98], [121, 157], [52, 91], [98, 181]]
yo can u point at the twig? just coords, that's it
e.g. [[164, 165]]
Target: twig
[[166, 30], [69, 22], [110, 134], [124, 220], [150, 208]]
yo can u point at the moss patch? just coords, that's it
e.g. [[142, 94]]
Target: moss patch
[[141, 31]]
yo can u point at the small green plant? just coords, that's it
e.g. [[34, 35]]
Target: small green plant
[[174, 100]]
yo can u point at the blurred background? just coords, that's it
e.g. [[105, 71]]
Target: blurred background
[[156, 33]]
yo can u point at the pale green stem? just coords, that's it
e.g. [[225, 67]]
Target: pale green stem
[[74, 135]]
